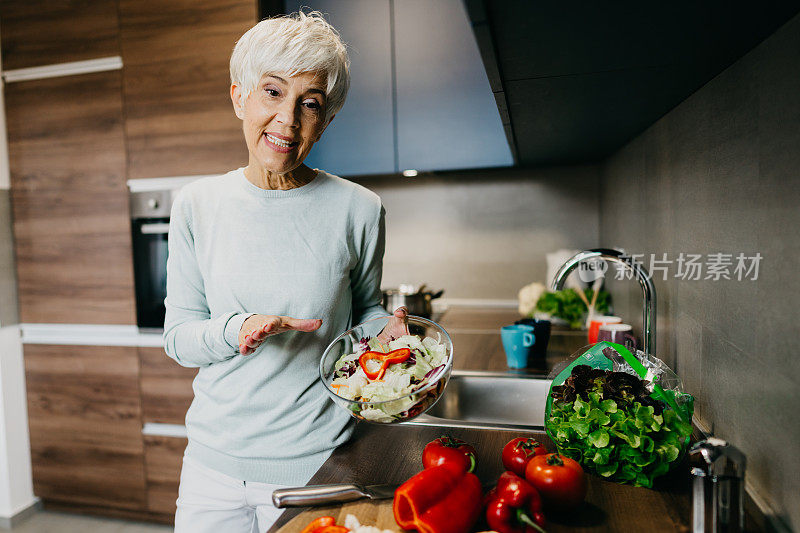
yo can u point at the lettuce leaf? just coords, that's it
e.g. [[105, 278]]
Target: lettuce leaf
[[619, 439]]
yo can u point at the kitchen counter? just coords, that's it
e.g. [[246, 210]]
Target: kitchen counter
[[475, 332], [391, 454]]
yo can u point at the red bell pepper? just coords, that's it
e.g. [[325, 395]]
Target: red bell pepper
[[386, 359], [514, 506], [440, 499]]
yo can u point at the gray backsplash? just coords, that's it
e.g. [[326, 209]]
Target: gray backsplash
[[484, 234], [721, 173], [9, 313]]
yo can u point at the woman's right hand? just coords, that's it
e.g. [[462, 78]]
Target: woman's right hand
[[257, 328]]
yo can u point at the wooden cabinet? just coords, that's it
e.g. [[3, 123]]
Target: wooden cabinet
[[87, 406], [166, 387], [70, 205], [178, 115], [43, 32], [166, 395], [73, 142], [163, 459], [85, 425]]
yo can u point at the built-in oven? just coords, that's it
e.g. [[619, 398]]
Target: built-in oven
[[150, 227], [150, 205]]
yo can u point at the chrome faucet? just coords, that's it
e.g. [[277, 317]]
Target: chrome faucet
[[645, 281]]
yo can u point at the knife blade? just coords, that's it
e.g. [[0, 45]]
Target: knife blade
[[312, 495]]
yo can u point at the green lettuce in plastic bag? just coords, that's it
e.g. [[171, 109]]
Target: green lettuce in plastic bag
[[623, 417]]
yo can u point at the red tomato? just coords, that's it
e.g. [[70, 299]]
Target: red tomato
[[559, 479], [449, 450], [518, 452]]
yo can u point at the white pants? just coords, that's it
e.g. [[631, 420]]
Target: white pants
[[209, 501]]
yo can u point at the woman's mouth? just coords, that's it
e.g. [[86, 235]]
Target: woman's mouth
[[278, 144]]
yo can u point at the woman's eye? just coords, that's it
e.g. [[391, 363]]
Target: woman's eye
[[272, 92], [312, 104]]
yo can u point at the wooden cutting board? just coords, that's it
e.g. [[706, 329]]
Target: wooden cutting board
[[378, 514]]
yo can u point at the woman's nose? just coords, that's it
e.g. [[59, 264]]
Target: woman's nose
[[288, 114]]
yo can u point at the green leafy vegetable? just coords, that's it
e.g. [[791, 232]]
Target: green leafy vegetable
[[609, 423], [568, 305]]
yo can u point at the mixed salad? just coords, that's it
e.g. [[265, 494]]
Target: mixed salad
[[378, 372]]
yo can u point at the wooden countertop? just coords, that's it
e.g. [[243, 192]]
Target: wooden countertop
[[392, 454]]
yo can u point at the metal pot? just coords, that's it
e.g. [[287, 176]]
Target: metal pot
[[417, 300]]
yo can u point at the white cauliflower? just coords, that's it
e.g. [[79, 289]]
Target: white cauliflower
[[528, 296]]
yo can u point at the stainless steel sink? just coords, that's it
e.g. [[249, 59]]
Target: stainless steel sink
[[489, 400]]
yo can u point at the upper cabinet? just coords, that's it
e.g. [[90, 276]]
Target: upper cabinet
[[43, 32], [178, 115], [360, 140], [447, 116], [419, 96], [66, 152]]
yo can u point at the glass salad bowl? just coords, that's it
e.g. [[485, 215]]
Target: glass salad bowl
[[387, 380]]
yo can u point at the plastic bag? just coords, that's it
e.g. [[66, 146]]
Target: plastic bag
[[623, 417]]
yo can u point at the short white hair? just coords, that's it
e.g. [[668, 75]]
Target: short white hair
[[295, 43]]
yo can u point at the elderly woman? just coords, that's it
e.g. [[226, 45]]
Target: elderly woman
[[267, 264]]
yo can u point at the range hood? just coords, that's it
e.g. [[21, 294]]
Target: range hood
[[576, 81]]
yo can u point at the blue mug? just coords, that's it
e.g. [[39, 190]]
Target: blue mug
[[518, 340]]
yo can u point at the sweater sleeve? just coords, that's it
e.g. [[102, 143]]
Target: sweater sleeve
[[192, 337], [365, 278]]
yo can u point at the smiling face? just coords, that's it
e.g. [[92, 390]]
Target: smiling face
[[282, 119]]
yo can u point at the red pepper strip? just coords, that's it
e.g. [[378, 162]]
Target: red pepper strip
[[319, 523], [515, 507], [440, 499], [391, 358], [367, 356]]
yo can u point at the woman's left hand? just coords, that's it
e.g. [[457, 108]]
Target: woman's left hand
[[397, 326]]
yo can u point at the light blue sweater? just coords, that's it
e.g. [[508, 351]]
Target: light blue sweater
[[236, 249]]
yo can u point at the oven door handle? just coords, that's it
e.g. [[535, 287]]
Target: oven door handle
[[157, 228]]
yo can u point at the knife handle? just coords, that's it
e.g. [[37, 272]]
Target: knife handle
[[316, 495]]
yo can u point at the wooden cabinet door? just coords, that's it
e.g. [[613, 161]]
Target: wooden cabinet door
[[163, 460], [179, 119], [85, 425], [70, 202], [166, 387], [447, 117], [43, 32], [360, 140], [166, 395]]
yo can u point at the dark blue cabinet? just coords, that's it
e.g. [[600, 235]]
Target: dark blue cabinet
[[419, 96], [360, 140], [447, 117]]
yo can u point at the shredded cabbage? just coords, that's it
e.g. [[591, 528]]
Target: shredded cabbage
[[428, 360]]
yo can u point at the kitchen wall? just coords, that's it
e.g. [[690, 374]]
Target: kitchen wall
[[721, 173], [484, 234]]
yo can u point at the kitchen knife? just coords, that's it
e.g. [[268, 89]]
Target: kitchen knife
[[312, 495]]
